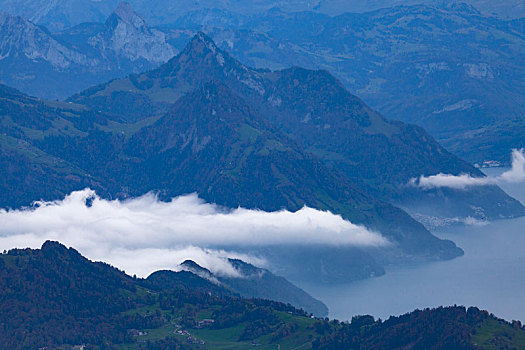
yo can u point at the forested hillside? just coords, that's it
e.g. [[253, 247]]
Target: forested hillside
[[55, 298]]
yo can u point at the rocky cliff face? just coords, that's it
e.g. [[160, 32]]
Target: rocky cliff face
[[127, 35], [31, 56], [21, 39]]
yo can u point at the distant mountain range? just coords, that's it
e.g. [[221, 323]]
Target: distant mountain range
[[41, 63], [61, 14], [389, 57], [55, 298], [446, 68]]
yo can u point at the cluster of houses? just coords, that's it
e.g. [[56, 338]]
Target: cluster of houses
[[136, 332], [189, 338], [205, 323]]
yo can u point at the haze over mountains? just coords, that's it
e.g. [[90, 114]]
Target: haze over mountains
[[312, 108], [236, 136], [62, 14], [93, 52], [470, 97], [225, 152]]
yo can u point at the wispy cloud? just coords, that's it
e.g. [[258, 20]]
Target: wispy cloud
[[144, 234], [463, 181]]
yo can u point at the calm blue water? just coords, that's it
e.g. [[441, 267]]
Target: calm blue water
[[491, 275]]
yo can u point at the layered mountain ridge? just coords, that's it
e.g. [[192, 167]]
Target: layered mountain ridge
[[62, 14], [320, 115], [205, 123], [31, 56], [256, 282], [454, 91]]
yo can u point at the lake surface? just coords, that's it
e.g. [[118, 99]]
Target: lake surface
[[491, 275]]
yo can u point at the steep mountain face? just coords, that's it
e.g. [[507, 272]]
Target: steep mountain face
[[24, 40], [28, 172], [205, 123], [321, 116], [31, 57], [392, 59], [213, 143], [127, 35], [254, 282]]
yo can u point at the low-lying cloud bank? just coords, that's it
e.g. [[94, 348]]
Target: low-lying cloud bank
[[142, 235], [461, 182]]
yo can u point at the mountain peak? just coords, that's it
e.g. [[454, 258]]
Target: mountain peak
[[201, 36], [201, 61], [202, 44], [192, 266], [125, 13], [127, 34]]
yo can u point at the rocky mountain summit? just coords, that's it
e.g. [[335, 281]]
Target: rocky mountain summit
[[126, 35], [31, 56], [24, 41]]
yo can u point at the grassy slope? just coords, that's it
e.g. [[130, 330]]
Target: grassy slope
[[227, 338], [496, 334]]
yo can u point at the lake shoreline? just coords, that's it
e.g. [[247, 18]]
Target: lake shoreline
[[489, 275]]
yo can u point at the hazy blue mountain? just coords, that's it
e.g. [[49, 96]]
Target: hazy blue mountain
[[410, 63], [389, 57], [490, 142], [225, 160], [205, 123], [61, 14], [43, 64], [211, 141], [317, 112], [503, 9], [255, 282]]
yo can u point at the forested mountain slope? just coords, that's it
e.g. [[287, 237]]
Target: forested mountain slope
[[55, 298]]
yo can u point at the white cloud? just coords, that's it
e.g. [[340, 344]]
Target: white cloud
[[461, 182], [517, 172], [142, 235]]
